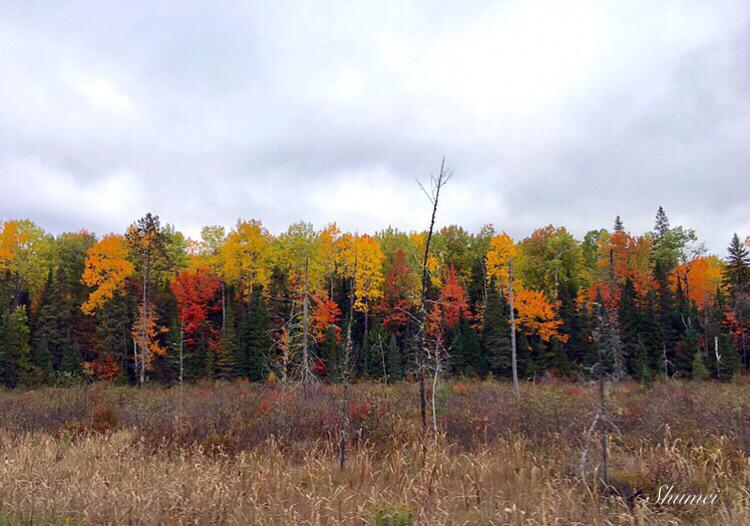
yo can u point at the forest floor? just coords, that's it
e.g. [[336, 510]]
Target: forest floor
[[250, 454]]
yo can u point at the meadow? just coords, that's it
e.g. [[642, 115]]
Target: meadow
[[250, 453]]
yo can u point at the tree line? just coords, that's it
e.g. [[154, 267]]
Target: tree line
[[152, 305]]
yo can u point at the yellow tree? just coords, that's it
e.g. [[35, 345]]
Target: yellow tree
[[246, 255], [105, 270], [26, 253], [368, 277], [501, 252]]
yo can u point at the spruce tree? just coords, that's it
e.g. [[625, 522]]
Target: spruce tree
[[228, 350], [495, 335], [71, 359], [466, 351], [630, 328], [42, 359], [17, 364], [699, 370], [737, 268], [112, 334], [393, 360], [661, 227], [255, 335]]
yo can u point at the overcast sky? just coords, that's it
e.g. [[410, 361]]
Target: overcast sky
[[548, 112]]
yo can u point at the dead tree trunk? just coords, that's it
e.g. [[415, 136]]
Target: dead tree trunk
[[436, 184], [514, 363], [603, 436], [345, 376], [382, 358], [306, 373]]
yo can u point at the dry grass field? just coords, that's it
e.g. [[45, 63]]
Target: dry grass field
[[250, 454]]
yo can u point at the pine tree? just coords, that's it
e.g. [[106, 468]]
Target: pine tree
[[112, 334], [228, 349], [393, 360], [466, 352], [661, 227], [642, 364], [255, 337], [730, 361], [71, 360], [630, 327], [42, 359], [700, 372], [496, 333], [667, 317], [737, 269], [619, 227], [17, 364]]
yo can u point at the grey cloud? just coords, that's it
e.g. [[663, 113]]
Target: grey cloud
[[548, 113]]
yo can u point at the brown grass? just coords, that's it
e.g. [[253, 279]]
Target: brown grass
[[245, 454]]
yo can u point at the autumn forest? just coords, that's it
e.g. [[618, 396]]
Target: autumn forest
[[151, 305]]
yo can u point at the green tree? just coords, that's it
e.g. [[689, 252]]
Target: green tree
[[255, 335], [496, 333], [700, 372], [228, 354], [17, 366]]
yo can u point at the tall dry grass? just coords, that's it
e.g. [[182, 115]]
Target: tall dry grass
[[249, 455]]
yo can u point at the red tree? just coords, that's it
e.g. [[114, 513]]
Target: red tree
[[196, 293]]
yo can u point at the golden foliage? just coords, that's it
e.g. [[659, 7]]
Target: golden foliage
[[106, 268]]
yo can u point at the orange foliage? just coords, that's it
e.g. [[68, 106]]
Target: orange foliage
[[537, 316], [104, 368], [703, 276], [106, 268], [146, 332], [325, 315]]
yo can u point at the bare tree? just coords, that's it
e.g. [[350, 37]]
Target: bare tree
[[297, 359], [606, 338], [346, 369], [514, 362], [306, 372], [436, 184]]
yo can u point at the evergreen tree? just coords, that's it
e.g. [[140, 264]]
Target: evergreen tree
[[71, 360], [330, 355], [393, 360], [729, 362], [16, 363], [642, 364], [466, 352], [228, 348], [661, 227], [700, 372], [496, 333], [255, 335], [112, 334], [50, 326], [737, 269], [619, 227], [630, 328], [42, 359], [667, 317], [651, 336]]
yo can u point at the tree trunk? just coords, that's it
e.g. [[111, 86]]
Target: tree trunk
[[421, 350], [514, 363], [604, 472], [434, 389], [305, 358]]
